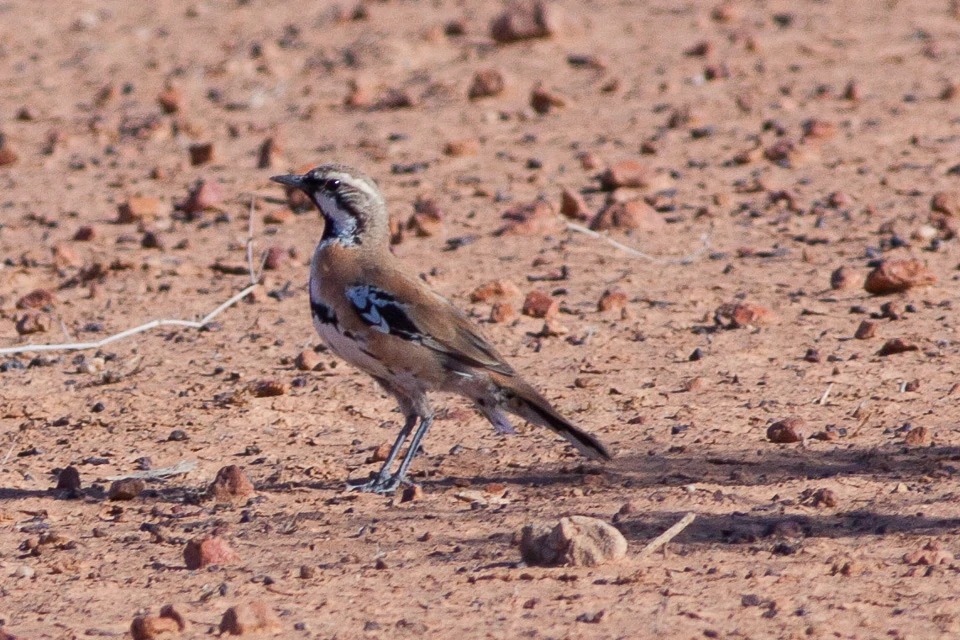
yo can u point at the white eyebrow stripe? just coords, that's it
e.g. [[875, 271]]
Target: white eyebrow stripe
[[361, 185]]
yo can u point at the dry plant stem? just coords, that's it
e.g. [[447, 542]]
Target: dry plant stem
[[182, 467], [253, 276], [705, 239], [9, 451], [63, 327], [826, 394], [668, 535], [153, 324]]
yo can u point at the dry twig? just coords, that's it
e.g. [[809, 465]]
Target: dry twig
[[153, 324], [705, 239], [182, 467], [826, 394], [668, 535]]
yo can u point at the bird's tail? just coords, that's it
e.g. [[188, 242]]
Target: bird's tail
[[524, 401]]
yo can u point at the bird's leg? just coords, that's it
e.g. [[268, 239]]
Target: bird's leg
[[401, 474], [383, 482]]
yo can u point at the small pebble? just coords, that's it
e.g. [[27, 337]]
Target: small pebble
[[208, 550], [628, 173], [411, 493], [576, 541], [543, 100], [841, 278], [138, 209], [269, 388], [230, 485], [307, 360], [786, 431], [895, 346], [502, 312], [69, 480], [201, 153], [250, 617], [866, 330], [612, 300], [538, 304], [916, 437], [126, 489], [895, 276], [486, 84], [526, 20]]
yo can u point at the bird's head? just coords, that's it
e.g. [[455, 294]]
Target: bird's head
[[352, 206]]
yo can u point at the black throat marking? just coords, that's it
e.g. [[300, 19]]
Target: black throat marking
[[344, 225]]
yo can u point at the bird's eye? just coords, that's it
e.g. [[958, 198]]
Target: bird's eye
[[331, 185]]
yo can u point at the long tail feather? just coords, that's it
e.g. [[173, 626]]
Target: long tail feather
[[531, 406]]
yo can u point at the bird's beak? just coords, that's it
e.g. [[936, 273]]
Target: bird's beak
[[291, 180]]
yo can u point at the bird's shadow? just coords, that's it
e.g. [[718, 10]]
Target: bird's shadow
[[639, 472]]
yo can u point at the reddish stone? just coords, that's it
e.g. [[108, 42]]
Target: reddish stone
[[495, 291], [274, 259], [502, 312], [208, 550], [525, 20], [278, 216], [538, 304], [126, 489], [171, 100], [947, 203], [628, 173], [85, 234], [916, 437], [202, 153], [895, 276], [535, 218], [36, 299], [31, 322], [543, 100], [486, 84], [895, 346], [231, 484], [866, 330], [573, 206], [632, 214], [269, 388], [249, 617], [268, 155], [204, 195], [612, 300], [307, 360], [138, 209], [461, 148], [747, 314], [786, 431]]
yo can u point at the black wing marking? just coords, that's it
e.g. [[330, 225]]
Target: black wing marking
[[322, 313], [383, 313]]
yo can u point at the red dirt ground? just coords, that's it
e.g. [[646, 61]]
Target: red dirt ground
[[810, 136]]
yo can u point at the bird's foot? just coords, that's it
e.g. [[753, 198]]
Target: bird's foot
[[382, 486]]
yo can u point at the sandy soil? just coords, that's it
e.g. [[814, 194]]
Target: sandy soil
[[810, 136]]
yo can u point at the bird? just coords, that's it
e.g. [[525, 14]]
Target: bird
[[374, 315]]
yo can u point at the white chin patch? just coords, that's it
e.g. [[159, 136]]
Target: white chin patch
[[344, 224]]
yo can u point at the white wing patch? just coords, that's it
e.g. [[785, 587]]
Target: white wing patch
[[384, 313], [367, 302]]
